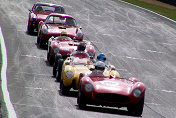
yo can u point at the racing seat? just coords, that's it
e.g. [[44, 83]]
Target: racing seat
[[57, 10], [39, 8], [80, 55]]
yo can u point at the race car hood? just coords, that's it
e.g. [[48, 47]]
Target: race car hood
[[82, 69], [65, 48], [119, 86], [57, 28]]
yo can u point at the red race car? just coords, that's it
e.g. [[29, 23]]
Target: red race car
[[111, 91], [63, 46], [39, 12], [54, 25]]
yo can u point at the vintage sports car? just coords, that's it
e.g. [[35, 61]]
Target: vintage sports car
[[73, 67], [39, 12], [61, 47], [111, 91], [64, 46], [54, 25]]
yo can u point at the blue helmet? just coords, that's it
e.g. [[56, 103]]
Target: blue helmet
[[101, 57]]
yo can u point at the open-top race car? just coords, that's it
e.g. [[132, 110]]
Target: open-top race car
[[96, 89], [72, 69], [39, 12], [54, 25], [64, 45], [59, 48]]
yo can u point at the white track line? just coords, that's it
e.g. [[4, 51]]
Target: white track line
[[9, 106]]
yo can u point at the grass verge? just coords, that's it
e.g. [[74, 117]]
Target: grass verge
[[170, 13]]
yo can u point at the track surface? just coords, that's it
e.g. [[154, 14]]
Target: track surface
[[138, 43]]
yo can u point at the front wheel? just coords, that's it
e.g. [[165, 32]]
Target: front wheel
[[29, 29], [56, 65], [137, 109]]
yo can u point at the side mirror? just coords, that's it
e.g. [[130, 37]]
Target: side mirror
[[133, 79], [80, 27], [30, 9]]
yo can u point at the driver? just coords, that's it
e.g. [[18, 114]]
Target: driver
[[63, 34], [99, 69], [80, 52]]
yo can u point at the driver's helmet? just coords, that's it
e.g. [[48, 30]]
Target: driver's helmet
[[81, 47], [63, 34], [101, 57], [100, 66]]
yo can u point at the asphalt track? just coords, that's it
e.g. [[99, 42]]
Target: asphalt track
[[137, 42]]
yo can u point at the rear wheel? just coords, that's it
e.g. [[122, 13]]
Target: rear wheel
[[55, 68], [39, 41], [59, 70], [137, 109], [49, 58], [81, 101], [63, 89]]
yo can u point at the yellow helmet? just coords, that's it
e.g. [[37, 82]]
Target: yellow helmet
[[63, 34]]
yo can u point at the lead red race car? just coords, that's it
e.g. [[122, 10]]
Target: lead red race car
[[54, 25], [39, 12], [111, 91]]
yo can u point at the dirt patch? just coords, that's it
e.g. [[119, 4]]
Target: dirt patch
[[155, 2]]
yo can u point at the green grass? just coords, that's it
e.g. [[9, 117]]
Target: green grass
[[170, 13]]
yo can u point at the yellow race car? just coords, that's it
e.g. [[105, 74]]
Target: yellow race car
[[71, 69]]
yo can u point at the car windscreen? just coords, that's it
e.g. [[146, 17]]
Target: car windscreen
[[47, 8], [61, 20]]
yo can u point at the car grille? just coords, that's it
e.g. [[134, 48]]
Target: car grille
[[111, 97]]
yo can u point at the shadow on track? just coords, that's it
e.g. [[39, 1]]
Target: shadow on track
[[71, 93], [107, 110]]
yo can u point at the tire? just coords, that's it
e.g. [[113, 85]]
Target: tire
[[55, 68], [39, 41], [59, 70], [138, 108], [50, 60], [29, 29], [64, 90], [48, 56], [58, 56], [81, 100]]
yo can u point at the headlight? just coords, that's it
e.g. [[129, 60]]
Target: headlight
[[69, 74], [79, 35], [88, 87], [137, 93], [44, 29], [56, 50], [33, 17]]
